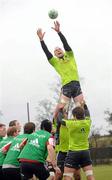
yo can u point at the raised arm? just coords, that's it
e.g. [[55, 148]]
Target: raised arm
[[62, 37], [60, 118], [52, 157], [87, 113], [43, 45]]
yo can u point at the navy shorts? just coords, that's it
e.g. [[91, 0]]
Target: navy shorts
[[61, 160], [72, 89], [77, 159]]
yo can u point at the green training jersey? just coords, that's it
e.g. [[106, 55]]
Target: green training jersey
[[14, 151], [66, 67], [1, 138], [36, 147], [78, 134], [63, 139], [2, 144]]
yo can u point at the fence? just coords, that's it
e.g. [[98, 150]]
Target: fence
[[101, 155]]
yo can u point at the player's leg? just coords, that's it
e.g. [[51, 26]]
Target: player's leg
[[72, 166], [77, 175], [77, 93], [63, 104], [65, 96], [78, 97], [89, 172], [71, 174], [79, 100], [68, 173], [60, 163], [86, 164]]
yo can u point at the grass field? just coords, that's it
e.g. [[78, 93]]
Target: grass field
[[103, 172]]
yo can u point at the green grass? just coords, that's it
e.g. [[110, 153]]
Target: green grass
[[101, 172]]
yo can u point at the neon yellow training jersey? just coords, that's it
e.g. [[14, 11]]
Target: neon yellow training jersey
[[66, 67], [78, 134]]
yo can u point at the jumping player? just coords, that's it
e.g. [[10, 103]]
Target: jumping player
[[64, 63]]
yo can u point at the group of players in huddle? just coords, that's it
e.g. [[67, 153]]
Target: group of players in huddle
[[60, 148]]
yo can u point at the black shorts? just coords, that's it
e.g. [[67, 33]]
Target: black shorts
[[77, 159], [1, 173], [11, 174], [61, 160], [38, 169], [72, 89]]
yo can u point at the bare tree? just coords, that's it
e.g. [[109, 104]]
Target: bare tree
[[95, 134], [46, 106], [108, 116]]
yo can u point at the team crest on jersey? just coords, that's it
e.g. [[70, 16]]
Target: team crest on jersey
[[34, 142], [83, 130]]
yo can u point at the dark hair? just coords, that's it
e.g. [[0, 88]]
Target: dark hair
[[46, 125], [29, 128], [1, 125], [12, 123], [11, 131], [78, 112]]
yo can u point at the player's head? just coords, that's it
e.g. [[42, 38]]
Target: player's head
[[29, 128], [2, 130], [46, 125], [15, 123], [58, 52], [78, 113], [12, 131]]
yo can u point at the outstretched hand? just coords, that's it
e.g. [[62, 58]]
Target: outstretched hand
[[56, 26], [40, 34]]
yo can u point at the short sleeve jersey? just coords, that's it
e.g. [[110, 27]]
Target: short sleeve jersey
[[78, 134], [36, 147], [14, 151], [2, 144], [66, 67]]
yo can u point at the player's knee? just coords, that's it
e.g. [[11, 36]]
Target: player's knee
[[52, 173], [89, 172], [70, 175], [64, 101], [80, 103]]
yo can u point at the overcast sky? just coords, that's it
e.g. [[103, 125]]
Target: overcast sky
[[25, 71]]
